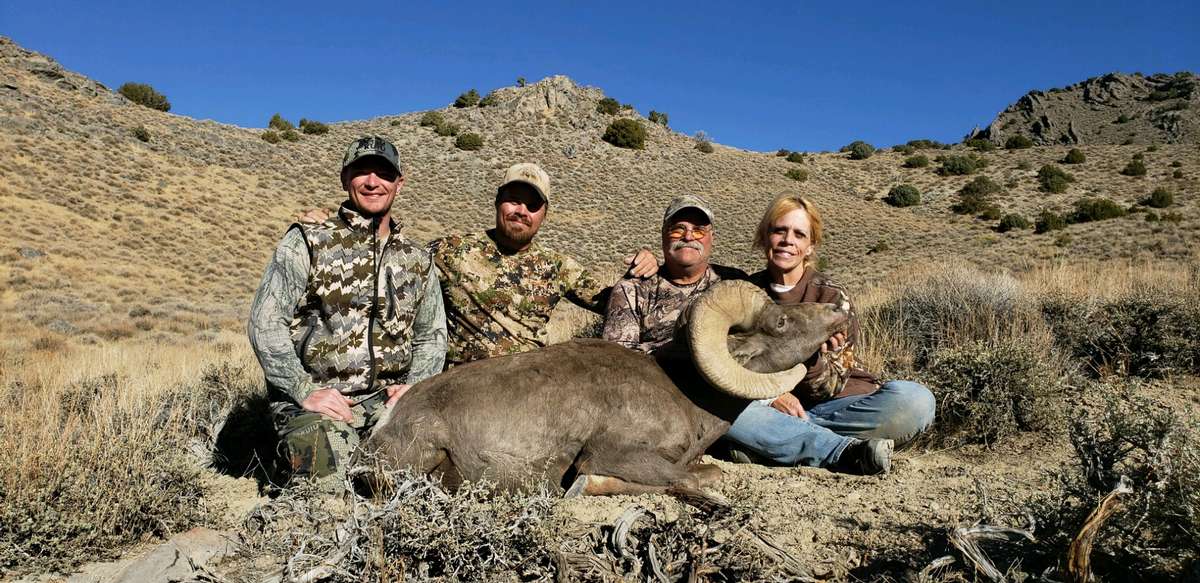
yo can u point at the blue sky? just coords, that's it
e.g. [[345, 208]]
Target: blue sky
[[761, 76]]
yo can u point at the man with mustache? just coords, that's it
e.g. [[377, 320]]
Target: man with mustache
[[642, 312], [501, 286]]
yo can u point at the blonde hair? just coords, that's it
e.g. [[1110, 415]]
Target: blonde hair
[[782, 205]]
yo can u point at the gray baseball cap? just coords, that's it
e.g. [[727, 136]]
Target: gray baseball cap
[[688, 201], [372, 146]]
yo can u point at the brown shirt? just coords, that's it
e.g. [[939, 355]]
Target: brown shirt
[[830, 374]]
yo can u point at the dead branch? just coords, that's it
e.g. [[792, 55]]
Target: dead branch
[[1079, 555]]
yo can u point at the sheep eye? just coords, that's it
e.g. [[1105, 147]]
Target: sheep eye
[[781, 323]]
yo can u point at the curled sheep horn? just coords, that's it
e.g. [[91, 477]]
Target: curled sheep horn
[[727, 305]]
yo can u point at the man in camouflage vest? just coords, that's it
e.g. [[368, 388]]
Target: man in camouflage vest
[[642, 312], [348, 315], [501, 286]]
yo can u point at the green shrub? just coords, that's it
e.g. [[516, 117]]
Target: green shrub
[[141, 133], [797, 174], [903, 195], [1049, 221], [626, 133], [468, 141], [903, 149], [782, 152], [1095, 209], [1123, 118], [432, 119], [469, 98], [918, 161], [658, 117], [290, 135], [859, 150], [1018, 142], [520, 81], [705, 146], [988, 392], [1139, 156], [144, 95], [1074, 156], [981, 186], [1135, 167], [1155, 536], [313, 127], [956, 165], [795, 158], [923, 144], [608, 106], [1024, 165], [446, 129], [1177, 174], [489, 100], [1054, 179], [270, 136], [980, 145], [1176, 164], [278, 123], [1012, 222], [1152, 148], [989, 212], [1161, 198]]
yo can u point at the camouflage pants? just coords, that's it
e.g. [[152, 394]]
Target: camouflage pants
[[318, 448]]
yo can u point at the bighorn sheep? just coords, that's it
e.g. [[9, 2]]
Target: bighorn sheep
[[611, 419]]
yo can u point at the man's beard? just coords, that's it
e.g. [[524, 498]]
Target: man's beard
[[519, 237]]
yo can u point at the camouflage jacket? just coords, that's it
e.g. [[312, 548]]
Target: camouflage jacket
[[338, 308], [642, 312], [830, 374], [500, 303]]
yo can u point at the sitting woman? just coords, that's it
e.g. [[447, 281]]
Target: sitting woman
[[840, 417]]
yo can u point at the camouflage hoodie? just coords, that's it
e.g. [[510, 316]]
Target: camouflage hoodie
[[339, 308]]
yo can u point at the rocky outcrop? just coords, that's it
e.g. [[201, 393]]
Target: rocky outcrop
[[1110, 109]]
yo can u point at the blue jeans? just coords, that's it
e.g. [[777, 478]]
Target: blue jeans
[[899, 411]]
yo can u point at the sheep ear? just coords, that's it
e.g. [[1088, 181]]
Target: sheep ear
[[743, 349]]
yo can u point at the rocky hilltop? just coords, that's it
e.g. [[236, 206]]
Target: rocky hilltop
[[117, 220], [1111, 109]]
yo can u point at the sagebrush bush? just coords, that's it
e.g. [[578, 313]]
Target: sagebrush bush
[[290, 135], [980, 145], [903, 195], [1048, 220], [446, 129], [279, 123], [795, 157], [141, 133], [1095, 209], [797, 174], [626, 133], [608, 106], [1155, 535], [1160, 198], [975, 197], [1018, 142], [468, 98], [270, 136], [705, 147], [1177, 174], [489, 100], [859, 150], [431, 119], [1135, 167], [952, 307], [468, 141], [1074, 156], [1148, 332], [313, 127], [1051, 178], [144, 95], [782, 152], [987, 392], [1012, 222], [955, 165], [658, 117], [918, 161], [923, 144]]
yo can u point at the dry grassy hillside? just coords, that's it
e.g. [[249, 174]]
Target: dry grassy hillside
[[104, 236]]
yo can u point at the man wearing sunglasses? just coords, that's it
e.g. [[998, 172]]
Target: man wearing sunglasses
[[348, 315], [501, 286], [642, 312]]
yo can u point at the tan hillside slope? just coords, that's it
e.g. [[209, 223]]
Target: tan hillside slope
[[104, 236]]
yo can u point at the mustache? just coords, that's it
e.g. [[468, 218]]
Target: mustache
[[677, 245], [515, 218]]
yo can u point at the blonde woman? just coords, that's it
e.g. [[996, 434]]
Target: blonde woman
[[841, 416]]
